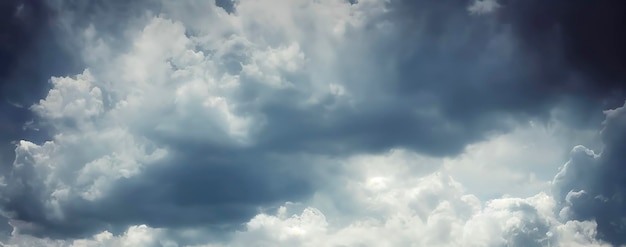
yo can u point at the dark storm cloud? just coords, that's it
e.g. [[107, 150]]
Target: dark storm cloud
[[584, 38], [588, 36], [556, 36], [23, 24], [570, 50], [27, 49], [593, 186]]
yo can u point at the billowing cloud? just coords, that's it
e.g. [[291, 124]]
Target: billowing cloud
[[202, 117]]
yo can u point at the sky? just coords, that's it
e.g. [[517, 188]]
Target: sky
[[312, 123]]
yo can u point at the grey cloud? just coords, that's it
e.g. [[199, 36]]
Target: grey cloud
[[211, 190], [227, 5], [532, 230], [591, 186]]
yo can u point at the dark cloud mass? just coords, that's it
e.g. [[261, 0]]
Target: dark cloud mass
[[560, 49], [21, 28], [587, 36], [151, 134]]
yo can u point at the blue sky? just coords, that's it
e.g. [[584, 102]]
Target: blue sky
[[312, 123]]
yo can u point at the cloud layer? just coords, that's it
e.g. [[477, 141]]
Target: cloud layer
[[201, 118]]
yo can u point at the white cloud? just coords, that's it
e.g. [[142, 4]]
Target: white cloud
[[425, 211], [289, 59], [76, 99]]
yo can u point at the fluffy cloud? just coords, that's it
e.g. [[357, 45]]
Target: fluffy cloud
[[194, 116], [502, 222]]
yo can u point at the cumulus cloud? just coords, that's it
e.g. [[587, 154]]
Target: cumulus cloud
[[502, 222], [205, 115]]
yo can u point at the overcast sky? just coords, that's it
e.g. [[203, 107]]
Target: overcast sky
[[312, 123]]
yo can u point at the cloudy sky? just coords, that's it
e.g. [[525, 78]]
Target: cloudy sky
[[312, 123]]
